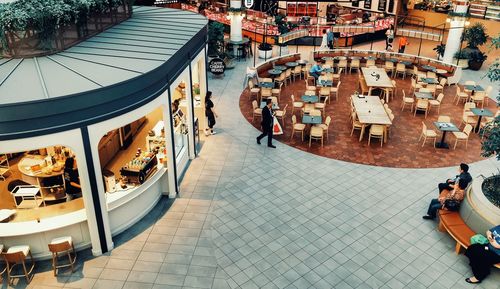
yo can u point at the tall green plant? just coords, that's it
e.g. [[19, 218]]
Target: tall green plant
[[475, 35], [491, 144], [215, 38], [283, 26]]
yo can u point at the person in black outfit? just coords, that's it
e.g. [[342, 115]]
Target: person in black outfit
[[210, 113], [72, 180], [483, 256], [267, 124], [463, 179]]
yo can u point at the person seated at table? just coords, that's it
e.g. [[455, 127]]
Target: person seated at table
[[72, 179], [316, 70], [482, 257], [463, 179], [456, 194]]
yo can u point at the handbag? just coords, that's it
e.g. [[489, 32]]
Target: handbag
[[479, 239], [452, 205]]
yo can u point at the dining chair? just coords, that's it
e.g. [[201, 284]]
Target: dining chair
[[321, 105], [17, 255], [370, 62], [355, 64], [436, 102], [297, 127], [280, 115], [334, 91], [462, 135], [297, 71], [478, 97], [254, 91], [441, 85], [64, 246], [427, 134], [407, 101], [296, 104], [325, 126], [422, 105], [444, 118], [376, 131], [459, 96], [401, 69], [317, 134], [277, 91], [256, 110], [356, 125]]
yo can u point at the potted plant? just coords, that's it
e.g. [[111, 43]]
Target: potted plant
[[475, 36], [476, 59], [215, 39], [265, 50], [461, 58], [440, 48]]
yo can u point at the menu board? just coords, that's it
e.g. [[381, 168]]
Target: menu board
[[368, 4], [382, 5]]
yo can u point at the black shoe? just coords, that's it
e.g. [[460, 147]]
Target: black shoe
[[258, 141], [469, 281], [427, 217], [271, 146]]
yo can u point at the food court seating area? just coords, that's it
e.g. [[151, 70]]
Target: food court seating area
[[404, 107]]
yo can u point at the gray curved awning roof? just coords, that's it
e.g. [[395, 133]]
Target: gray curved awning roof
[[127, 50], [109, 74]]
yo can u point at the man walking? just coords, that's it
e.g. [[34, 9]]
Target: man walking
[[267, 124], [403, 42]]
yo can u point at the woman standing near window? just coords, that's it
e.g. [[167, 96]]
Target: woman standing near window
[[390, 37], [210, 113]]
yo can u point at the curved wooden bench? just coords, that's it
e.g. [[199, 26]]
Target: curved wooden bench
[[453, 223]]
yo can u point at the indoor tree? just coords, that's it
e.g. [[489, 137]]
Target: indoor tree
[[475, 36]]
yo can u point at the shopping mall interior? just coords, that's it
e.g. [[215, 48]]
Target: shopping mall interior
[[249, 144]]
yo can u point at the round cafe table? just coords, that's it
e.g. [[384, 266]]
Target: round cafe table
[[274, 73], [280, 67], [291, 64], [302, 61]]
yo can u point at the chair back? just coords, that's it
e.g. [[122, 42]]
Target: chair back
[[324, 91], [404, 93], [274, 99], [389, 64], [424, 128], [292, 97], [294, 119], [338, 84], [479, 95], [254, 104], [424, 90], [422, 103], [444, 118], [15, 257], [443, 81], [469, 105], [284, 109], [297, 69], [267, 79], [353, 116], [310, 92], [391, 116], [327, 121], [489, 89], [355, 63], [440, 97], [370, 62], [250, 84], [393, 83], [458, 90], [59, 247], [266, 92], [400, 67], [343, 63], [467, 129], [288, 72], [340, 71], [431, 74], [315, 112]]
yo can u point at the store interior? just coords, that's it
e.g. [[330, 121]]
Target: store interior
[[42, 183]]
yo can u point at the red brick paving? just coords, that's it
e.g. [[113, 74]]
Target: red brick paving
[[401, 150]]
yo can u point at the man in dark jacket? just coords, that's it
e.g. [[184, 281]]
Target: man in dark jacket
[[267, 124], [463, 179]]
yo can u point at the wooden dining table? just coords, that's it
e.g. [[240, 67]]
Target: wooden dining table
[[370, 111], [376, 78]]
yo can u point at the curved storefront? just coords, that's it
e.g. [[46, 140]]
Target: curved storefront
[[97, 133]]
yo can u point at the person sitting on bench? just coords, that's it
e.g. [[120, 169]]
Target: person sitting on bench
[[456, 194], [482, 257], [463, 179]]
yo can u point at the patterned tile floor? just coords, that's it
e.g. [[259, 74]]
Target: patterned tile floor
[[253, 217]]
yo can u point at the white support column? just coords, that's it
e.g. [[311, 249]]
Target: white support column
[[455, 31], [236, 19], [172, 178], [190, 117]]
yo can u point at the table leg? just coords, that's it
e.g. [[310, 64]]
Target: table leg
[[362, 133], [442, 144], [478, 125], [385, 134]]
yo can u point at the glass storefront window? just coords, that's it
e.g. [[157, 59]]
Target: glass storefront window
[[39, 184], [179, 115], [131, 154]]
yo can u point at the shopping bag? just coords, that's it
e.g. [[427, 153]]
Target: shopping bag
[[277, 130], [479, 239]]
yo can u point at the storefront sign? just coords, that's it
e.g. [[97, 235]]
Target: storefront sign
[[248, 3], [368, 4], [217, 66]]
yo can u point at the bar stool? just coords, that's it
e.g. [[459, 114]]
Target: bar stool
[[16, 255], [62, 245]]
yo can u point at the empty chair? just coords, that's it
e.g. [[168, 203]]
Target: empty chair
[[308, 86], [296, 104], [276, 92], [467, 108], [62, 245], [274, 100], [407, 101], [336, 76], [321, 105], [389, 67], [256, 110], [355, 122], [436, 102], [422, 105], [310, 92], [354, 65], [401, 69], [370, 62], [431, 74], [17, 255], [324, 92], [280, 79], [376, 131], [314, 112], [414, 85], [288, 75], [297, 71], [441, 85], [280, 115], [266, 79], [265, 93], [462, 135], [325, 126], [444, 118], [468, 118], [459, 96], [427, 134], [478, 97], [316, 133], [297, 127], [342, 65], [254, 91], [334, 91]]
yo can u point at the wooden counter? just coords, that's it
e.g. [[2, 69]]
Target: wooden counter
[[24, 215]]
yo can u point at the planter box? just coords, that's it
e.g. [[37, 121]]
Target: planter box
[[265, 54], [463, 63], [475, 65]]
